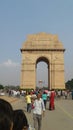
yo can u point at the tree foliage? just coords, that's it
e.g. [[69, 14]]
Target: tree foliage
[[69, 84], [1, 86]]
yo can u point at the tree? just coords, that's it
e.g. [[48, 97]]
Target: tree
[[69, 84], [1, 86]]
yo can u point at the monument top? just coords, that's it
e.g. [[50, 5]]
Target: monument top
[[42, 40]]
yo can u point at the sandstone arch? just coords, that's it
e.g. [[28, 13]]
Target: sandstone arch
[[46, 47]]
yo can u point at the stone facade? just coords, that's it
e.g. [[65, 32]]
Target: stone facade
[[42, 47]]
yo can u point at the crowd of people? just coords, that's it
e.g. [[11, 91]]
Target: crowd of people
[[16, 119], [36, 101], [47, 95]]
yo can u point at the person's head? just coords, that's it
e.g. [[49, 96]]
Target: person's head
[[6, 115], [38, 96], [44, 92], [20, 120]]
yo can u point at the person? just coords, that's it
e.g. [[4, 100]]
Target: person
[[44, 97], [28, 101], [20, 120], [6, 115], [51, 102], [48, 95], [72, 94], [38, 110]]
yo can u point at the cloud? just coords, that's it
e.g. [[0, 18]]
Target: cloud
[[10, 63], [10, 73]]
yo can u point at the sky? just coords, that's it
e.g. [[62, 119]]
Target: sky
[[18, 18]]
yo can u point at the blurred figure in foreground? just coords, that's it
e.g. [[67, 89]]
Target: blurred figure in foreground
[[6, 115], [20, 120]]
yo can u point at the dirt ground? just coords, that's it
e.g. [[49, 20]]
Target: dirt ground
[[9, 99]]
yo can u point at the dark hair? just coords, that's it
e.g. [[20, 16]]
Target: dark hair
[[6, 115], [19, 120], [6, 108], [5, 122]]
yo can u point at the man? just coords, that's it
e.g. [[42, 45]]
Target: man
[[38, 110]]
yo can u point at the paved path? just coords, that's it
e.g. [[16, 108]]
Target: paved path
[[59, 119]]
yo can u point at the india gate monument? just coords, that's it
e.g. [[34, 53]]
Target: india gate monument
[[42, 47]]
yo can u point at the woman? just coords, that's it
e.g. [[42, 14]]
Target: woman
[[51, 102], [44, 97]]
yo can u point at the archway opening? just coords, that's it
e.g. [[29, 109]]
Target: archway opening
[[42, 73]]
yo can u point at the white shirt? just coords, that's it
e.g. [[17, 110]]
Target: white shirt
[[38, 106]]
